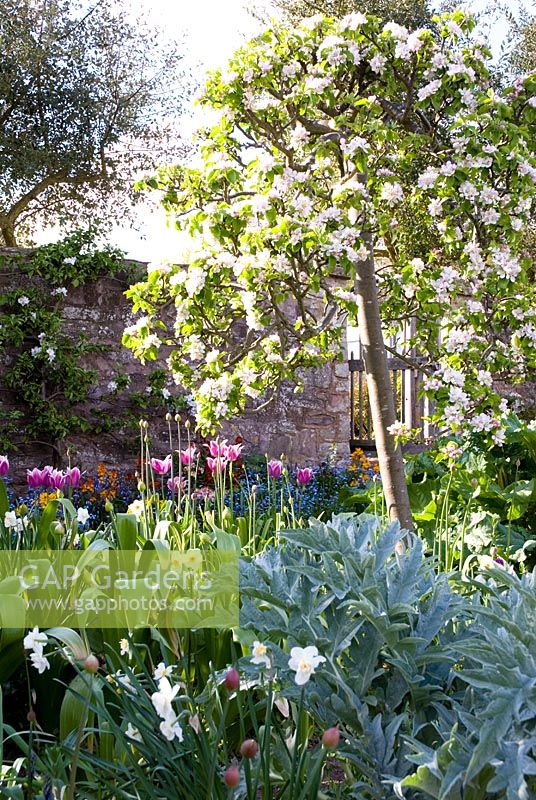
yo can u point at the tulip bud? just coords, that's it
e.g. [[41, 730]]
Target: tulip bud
[[91, 664], [108, 506], [178, 418], [331, 738], [187, 424], [58, 528], [31, 716], [23, 509], [141, 486], [232, 680], [249, 748], [231, 777]]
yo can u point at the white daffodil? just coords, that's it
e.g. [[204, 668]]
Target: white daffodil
[[82, 515], [304, 660], [133, 733], [259, 654], [124, 647], [136, 508], [171, 729], [10, 519], [125, 681], [35, 640], [163, 698], [162, 671], [39, 661]]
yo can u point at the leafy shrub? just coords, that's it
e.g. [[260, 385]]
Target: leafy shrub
[[401, 646]]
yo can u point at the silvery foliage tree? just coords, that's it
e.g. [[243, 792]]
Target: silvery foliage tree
[[86, 98], [377, 171]]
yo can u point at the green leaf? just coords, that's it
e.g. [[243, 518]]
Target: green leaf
[[75, 712], [127, 531], [72, 640], [4, 502]]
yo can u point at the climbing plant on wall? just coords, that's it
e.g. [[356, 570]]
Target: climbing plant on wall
[[43, 365]]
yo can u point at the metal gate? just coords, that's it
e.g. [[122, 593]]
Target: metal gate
[[406, 381]]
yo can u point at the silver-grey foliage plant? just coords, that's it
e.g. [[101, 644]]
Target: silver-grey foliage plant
[[432, 683]]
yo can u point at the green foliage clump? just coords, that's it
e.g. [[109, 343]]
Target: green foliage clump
[[432, 687], [47, 366]]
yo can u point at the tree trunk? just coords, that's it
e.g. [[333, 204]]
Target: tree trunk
[[380, 391], [7, 229]]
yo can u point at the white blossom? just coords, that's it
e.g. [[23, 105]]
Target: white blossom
[[299, 135], [428, 178], [162, 671], [392, 192], [133, 733], [171, 729], [163, 698], [428, 90], [39, 661], [35, 639], [352, 21], [377, 63], [82, 515], [259, 654], [304, 660]]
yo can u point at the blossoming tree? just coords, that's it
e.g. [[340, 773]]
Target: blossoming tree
[[353, 168]]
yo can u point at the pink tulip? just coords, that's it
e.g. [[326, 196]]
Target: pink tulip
[[4, 466], [72, 477], [161, 467], [175, 484], [275, 469], [217, 464], [234, 451], [35, 478], [189, 455], [304, 476], [46, 477], [58, 479], [217, 448]]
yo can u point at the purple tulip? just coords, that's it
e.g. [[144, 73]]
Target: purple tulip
[[72, 477], [58, 479], [46, 477], [4, 466], [35, 478], [234, 451], [217, 464], [189, 455], [217, 448], [161, 467], [176, 484], [275, 469], [304, 476]]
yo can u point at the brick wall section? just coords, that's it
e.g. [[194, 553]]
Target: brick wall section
[[303, 426]]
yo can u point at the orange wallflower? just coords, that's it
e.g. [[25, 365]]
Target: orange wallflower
[[45, 498]]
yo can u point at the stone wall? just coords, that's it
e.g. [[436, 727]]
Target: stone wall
[[302, 426]]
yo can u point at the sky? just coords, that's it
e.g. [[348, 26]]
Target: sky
[[210, 31]]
